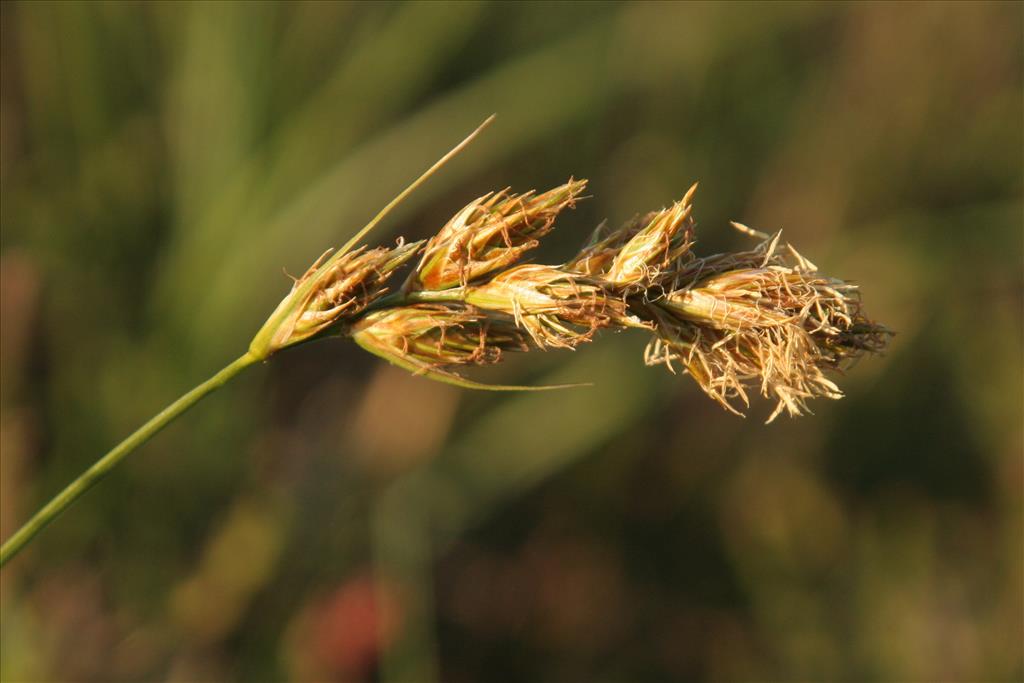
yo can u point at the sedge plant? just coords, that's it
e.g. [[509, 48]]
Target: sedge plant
[[762, 320]]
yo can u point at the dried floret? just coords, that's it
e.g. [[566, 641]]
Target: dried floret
[[556, 308], [490, 233], [331, 292]]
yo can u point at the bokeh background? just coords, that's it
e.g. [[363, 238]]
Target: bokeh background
[[329, 518]]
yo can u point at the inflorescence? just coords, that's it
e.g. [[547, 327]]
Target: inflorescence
[[760, 320]]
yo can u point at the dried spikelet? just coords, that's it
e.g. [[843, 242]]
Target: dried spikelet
[[556, 308], [646, 258], [784, 361], [329, 294], [766, 297], [752, 319], [435, 335], [490, 233], [644, 251]]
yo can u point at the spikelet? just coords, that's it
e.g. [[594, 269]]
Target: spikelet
[[329, 293], [490, 233], [643, 252], [774, 325], [556, 308], [437, 335], [431, 339]]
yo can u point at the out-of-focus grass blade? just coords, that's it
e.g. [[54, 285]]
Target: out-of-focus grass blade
[[350, 103], [241, 282]]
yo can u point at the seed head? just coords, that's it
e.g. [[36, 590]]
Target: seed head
[[761, 319], [490, 233]]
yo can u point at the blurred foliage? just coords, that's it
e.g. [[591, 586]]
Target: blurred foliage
[[330, 518]]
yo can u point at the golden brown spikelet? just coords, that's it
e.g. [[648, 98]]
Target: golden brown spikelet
[[438, 335], [330, 293], [778, 326], [489, 234], [644, 251], [556, 308]]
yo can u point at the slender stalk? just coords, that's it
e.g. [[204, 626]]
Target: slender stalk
[[101, 467], [456, 294], [356, 238]]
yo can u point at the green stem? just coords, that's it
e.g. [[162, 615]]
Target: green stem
[[424, 296], [101, 467]]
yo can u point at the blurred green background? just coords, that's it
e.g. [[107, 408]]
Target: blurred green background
[[329, 518]]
